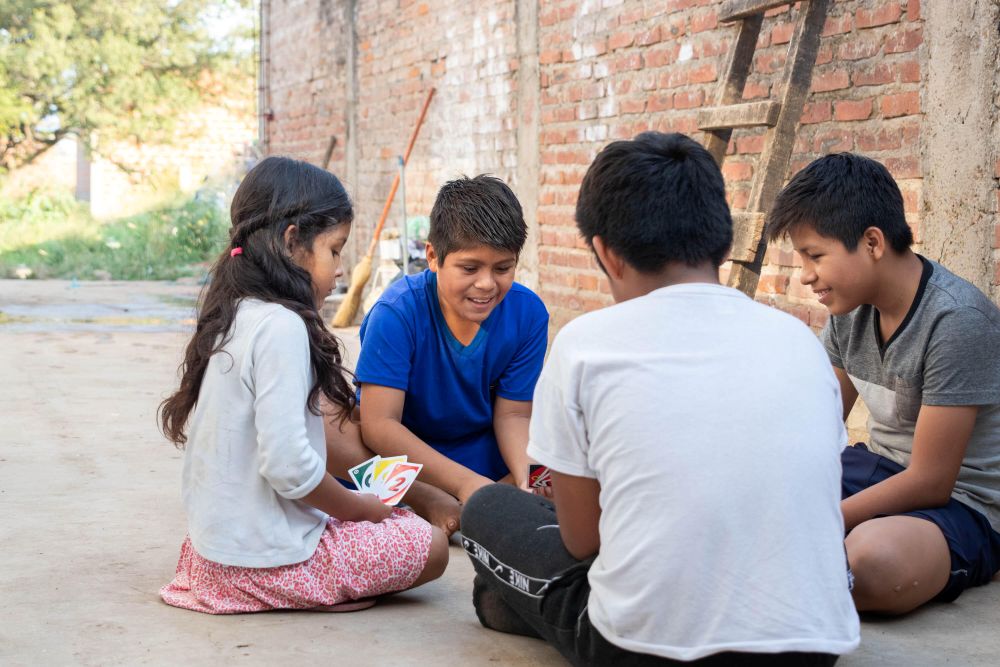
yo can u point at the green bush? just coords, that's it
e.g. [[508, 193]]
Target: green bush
[[55, 237]]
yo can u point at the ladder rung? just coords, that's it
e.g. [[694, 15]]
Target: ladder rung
[[747, 230], [734, 10], [747, 114]]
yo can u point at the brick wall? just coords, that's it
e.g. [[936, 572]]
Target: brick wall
[[624, 68], [607, 70]]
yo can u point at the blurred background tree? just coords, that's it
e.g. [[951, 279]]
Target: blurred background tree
[[113, 69]]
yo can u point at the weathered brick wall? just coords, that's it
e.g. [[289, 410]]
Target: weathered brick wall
[[622, 69], [465, 50], [306, 77], [607, 70]]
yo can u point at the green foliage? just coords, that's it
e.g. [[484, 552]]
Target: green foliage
[[55, 237], [115, 68]]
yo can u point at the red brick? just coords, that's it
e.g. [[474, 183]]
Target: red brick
[[773, 284], [782, 33], [903, 167], [834, 80], [689, 100], [836, 25], [674, 77], [704, 21], [883, 14], [626, 63], [739, 198], [824, 55], [818, 317], [620, 40], [661, 56], [550, 56], [815, 112], [737, 171], [766, 63], [883, 140], [860, 48], [833, 141], [902, 40], [703, 74], [649, 37], [848, 110], [628, 106], [875, 75], [753, 91], [903, 104], [750, 144], [621, 86], [660, 102], [996, 228], [632, 16], [913, 10]]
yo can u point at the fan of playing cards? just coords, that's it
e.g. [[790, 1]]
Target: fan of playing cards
[[388, 478]]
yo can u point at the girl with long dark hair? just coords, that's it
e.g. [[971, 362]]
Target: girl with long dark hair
[[268, 525]]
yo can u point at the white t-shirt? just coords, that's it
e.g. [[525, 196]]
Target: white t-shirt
[[713, 425], [253, 446]]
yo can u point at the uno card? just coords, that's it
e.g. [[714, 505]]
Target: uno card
[[363, 474], [383, 465], [395, 483], [539, 476]]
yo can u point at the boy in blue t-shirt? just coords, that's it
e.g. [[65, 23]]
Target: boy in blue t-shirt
[[449, 357], [921, 347]]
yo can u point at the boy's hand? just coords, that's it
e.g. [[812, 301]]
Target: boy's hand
[[471, 485], [370, 508]]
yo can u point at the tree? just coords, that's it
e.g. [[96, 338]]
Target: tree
[[116, 69]]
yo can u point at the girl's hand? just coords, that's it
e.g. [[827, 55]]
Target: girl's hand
[[370, 508]]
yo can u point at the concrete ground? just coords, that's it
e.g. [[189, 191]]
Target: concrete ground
[[91, 521]]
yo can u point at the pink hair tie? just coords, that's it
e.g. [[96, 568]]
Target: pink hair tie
[[236, 251]]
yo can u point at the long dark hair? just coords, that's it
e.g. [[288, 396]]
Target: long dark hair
[[277, 193]]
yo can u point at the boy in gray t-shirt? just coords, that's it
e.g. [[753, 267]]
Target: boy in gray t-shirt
[[921, 346]]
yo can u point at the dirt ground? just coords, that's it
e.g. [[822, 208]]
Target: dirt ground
[[91, 520]]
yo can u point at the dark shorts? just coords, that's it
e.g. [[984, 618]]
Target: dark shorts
[[528, 584], [974, 545]]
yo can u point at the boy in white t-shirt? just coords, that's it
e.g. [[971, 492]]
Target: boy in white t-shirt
[[694, 439]]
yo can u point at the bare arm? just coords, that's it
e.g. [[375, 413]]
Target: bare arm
[[344, 447], [848, 392], [331, 497], [510, 425], [383, 431], [578, 509], [939, 443]]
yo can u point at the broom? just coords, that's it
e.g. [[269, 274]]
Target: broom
[[363, 271]]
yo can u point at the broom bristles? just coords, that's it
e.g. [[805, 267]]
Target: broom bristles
[[348, 308]]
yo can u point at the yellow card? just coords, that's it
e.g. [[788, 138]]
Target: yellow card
[[382, 465]]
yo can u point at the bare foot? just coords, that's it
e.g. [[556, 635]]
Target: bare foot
[[435, 506]]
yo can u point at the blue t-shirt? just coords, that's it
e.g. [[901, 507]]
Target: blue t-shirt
[[450, 388]]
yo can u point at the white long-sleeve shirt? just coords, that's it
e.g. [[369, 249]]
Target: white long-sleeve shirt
[[253, 448]]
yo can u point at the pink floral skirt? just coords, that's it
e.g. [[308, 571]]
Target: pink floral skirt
[[353, 560]]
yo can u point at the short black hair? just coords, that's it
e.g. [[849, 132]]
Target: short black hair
[[470, 212], [656, 199], [840, 196]]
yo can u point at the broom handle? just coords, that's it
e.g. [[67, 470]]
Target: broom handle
[[395, 181]]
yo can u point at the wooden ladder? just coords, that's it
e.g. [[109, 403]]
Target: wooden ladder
[[780, 117]]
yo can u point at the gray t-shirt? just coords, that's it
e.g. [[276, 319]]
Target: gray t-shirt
[[945, 352]]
